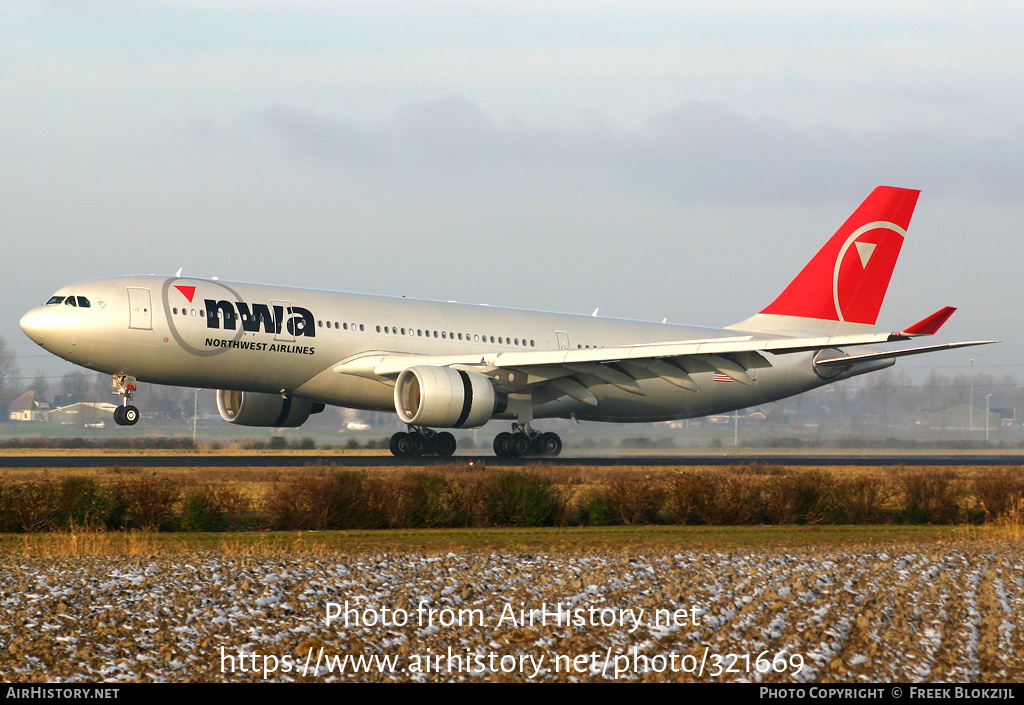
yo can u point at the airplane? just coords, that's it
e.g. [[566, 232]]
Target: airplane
[[277, 355]]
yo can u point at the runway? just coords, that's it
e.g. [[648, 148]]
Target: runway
[[363, 461]]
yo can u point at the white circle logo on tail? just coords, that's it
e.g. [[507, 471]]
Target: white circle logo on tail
[[864, 252]]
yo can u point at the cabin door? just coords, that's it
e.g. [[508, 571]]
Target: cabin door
[[140, 309], [282, 333]]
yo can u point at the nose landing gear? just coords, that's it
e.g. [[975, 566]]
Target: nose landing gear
[[126, 414]]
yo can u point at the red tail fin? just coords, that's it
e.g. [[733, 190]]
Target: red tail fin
[[846, 281]]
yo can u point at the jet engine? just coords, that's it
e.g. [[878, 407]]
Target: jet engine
[[441, 397], [256, 409]]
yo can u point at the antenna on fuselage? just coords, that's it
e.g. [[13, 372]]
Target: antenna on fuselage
[[178, 273]]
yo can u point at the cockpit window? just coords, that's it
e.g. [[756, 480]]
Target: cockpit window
[[76, 301]]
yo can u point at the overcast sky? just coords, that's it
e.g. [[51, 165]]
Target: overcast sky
[[653, 159]]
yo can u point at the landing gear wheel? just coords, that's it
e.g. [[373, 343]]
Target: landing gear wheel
[[520, 445], [443, 444], [415, 444], [535, 446], [124, 387], [503, 445], [549, 444], [397, 449]]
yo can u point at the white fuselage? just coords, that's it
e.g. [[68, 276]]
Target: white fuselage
[[258, 338]]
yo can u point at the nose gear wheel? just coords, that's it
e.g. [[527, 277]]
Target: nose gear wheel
[[126, 414]]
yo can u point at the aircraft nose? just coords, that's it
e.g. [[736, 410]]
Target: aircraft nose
[[35, 324]]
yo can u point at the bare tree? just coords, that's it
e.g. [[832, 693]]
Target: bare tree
[[41, 386], [10, 376], [74, 384]]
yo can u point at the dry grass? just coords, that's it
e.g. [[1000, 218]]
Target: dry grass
[[570, 540], [90, 542], [1010, 524]]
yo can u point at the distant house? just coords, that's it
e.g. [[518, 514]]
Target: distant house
[[85, 413], [67, 400], [28, 408], [965, 417]]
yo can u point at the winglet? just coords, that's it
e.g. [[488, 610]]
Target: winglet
[[931, 324]]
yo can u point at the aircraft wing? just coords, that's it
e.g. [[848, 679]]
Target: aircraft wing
[[572, 372]]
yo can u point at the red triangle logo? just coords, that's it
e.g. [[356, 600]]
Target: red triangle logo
[[187, 291]]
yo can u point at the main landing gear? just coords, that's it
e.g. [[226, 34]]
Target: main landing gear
[[422, 441], [126, 414], [524, 441]]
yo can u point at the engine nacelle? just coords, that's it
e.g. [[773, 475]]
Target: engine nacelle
[[256, 409], [441, 397]]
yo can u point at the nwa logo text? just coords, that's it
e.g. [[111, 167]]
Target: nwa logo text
[[295, 320]]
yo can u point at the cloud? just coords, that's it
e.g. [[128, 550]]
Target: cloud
[[698, 151], [333, 138]]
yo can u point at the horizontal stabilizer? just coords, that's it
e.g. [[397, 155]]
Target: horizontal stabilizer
[[841, 361]]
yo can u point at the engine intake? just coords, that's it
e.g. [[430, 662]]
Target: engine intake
[[441, 397], [257, 409]]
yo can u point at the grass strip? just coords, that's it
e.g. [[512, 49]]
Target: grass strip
[[629, 539]]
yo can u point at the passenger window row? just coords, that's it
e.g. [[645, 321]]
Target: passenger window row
[[442, 335], [342, 326]]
